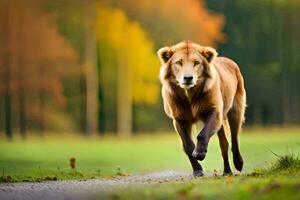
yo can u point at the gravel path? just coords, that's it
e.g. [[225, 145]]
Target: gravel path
[[82, 189]]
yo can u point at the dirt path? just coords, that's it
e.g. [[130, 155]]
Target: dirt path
[[83, 189]]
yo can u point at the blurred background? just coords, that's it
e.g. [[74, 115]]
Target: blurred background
[[89, 67]]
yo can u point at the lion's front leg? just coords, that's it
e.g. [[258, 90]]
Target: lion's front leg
[[212, 124], [184, 130]]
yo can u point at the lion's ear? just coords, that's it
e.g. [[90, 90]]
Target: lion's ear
[[209, 53], [164, 54]]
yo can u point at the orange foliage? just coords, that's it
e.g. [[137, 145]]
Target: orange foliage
[[133, 48], [185, 19], [39, 57]]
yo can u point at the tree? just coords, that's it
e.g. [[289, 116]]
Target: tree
[[38, 60], [137, 66], [171, 21], [263, 39], [76, 22], [91, 72], [5, 64]]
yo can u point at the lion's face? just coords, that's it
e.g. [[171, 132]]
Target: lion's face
[[188, 63], [187, 68]]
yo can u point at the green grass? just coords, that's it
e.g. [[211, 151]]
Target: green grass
[[36, 159], [241, 187], [286, 162], [281, 181]]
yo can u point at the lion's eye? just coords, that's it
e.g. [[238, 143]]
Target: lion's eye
[[179, 62], [196, 62]]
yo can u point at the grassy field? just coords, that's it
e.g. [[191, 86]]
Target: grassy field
[[279, 181], [48, 158], [273, 184]]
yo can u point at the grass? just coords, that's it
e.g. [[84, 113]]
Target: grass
[[49, 158], [241, 187], [287, 162], [286, 167], [281, 181]]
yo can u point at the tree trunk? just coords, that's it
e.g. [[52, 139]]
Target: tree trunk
[[82, 85], [91, 70], [22, 108], [42, 100], [286, 63], [21, 71], [7, 77], [124, 107]]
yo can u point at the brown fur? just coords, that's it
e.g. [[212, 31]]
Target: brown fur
[[217, 97]]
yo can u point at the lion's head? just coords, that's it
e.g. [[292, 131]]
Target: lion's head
[[186, 64]]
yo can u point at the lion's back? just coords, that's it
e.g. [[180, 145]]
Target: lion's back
[[231, 79]]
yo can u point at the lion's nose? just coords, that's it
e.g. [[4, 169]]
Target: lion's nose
[[187, 79]]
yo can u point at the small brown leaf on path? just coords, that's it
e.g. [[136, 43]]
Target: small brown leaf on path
[[73, 163]]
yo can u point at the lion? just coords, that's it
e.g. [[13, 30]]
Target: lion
[[197, 85]]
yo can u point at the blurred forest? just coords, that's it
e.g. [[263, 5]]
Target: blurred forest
[[90, 66]]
